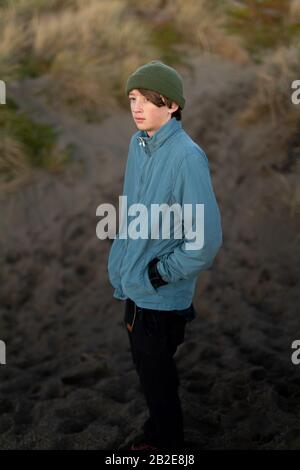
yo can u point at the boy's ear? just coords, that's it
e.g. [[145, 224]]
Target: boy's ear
[[174, 106]]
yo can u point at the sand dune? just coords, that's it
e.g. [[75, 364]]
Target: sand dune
[[69, 382]]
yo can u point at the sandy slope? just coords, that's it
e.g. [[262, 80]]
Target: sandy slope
[[69, 381]]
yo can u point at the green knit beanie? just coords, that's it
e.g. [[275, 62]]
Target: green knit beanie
[[157, 76]]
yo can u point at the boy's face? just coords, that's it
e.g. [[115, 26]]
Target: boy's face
[[146, 115]]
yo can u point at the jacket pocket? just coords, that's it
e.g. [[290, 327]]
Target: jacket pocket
[[115, 258], [135, 281], [146, 280]]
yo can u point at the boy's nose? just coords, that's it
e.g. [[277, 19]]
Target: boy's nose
[[138, 107]]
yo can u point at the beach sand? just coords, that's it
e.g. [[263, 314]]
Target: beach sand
[[69, 380]]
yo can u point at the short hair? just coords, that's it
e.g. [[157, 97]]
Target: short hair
[[160, 100]]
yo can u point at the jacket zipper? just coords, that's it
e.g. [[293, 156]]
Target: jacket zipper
[[141, 142], [130, 327]]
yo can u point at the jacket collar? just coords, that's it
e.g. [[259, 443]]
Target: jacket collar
[[150, 144]]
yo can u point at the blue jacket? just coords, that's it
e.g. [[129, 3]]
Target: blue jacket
[[168, 167]]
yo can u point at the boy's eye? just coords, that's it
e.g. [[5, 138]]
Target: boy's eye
[[132, 99]]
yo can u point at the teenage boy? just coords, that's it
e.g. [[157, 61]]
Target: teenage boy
[[157, 276]]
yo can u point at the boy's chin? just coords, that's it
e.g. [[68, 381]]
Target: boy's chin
[[142, 125]]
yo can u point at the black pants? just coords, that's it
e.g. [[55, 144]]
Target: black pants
[[154, 339]]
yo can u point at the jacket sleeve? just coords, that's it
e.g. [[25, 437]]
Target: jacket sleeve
[[193, 186], [118, 247]]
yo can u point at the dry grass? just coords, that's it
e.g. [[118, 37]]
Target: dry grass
[[14, 168], [13, 43], [272, 101], [294, 12], [91, 70], [88, 48], [202, 23], [27, 147], [272, 97], [264, 24]]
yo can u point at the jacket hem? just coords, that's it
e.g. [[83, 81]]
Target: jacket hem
[[163, 306]]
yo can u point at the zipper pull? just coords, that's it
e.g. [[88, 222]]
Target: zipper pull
[[130, 327]]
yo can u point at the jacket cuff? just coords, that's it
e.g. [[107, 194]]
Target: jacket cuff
[[154, 275]]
